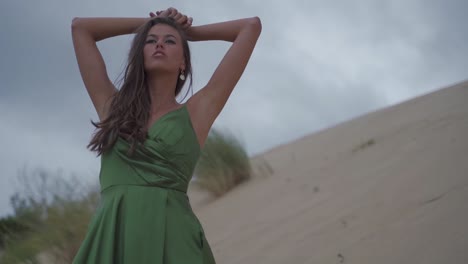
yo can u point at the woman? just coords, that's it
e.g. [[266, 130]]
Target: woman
[[148, 142]]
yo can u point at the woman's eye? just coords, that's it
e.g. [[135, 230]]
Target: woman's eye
[[170, 41], [151, 41]]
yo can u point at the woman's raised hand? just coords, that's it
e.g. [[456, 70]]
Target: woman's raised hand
[[181, 19]]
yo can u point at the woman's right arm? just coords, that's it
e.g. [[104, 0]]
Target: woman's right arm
[[85, 33]]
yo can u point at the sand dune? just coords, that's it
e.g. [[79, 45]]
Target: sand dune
[[388, 187]]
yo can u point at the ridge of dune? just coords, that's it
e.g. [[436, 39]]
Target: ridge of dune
[[387, 187]]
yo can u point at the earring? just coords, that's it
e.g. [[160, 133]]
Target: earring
[[182, 76]]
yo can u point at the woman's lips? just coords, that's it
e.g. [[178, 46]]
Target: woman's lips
[[158, 54]]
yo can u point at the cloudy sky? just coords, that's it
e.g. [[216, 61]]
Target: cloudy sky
[[317, 63]]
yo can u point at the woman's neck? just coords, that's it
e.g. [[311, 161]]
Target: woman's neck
[[161, 89]]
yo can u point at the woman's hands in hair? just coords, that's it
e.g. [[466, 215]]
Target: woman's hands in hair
[[181, 19]]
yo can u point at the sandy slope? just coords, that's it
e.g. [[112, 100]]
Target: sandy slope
[[388, 187]]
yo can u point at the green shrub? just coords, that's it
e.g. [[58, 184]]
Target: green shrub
[[53, 213], [223, 164]]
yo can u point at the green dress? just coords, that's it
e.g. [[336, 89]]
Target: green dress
[[145, 215]]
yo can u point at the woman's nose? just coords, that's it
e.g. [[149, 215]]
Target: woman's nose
[[159, 44]]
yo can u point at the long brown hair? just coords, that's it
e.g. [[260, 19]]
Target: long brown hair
[[130, 107]]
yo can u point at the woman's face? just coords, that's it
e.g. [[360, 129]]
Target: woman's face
[[163, 51]]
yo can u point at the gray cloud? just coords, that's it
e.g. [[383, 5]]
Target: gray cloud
[[317, 63]]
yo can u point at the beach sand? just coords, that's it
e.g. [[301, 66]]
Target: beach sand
[[387, 187]]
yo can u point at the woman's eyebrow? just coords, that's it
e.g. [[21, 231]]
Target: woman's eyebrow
[[167, 35]]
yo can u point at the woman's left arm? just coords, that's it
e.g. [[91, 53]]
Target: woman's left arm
[[207, 103]]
